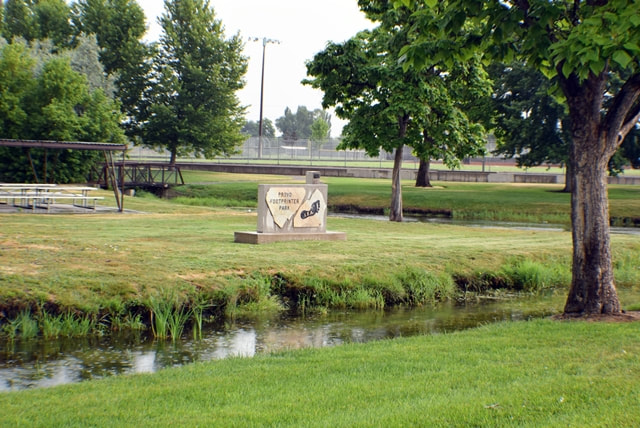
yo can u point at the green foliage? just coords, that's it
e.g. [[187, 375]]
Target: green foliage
[[543, 134], [193, 106], [389, 107], [583, 46], [410, 286], [320, 130], [50, 102], [517, 275], [252, 128], [424, 287], [249, 295], [20, 20], [119, 26], [300, 125], [169, 315], [38, 20]]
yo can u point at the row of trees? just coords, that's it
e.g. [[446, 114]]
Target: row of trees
[[304, 124], [177, 94], [413, 81]]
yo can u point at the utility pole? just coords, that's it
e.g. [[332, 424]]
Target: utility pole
[[265, 41]]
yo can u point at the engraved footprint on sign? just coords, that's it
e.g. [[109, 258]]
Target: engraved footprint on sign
[[311, 213], [284, 202]]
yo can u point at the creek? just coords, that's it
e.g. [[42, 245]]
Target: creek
[[38, 363]]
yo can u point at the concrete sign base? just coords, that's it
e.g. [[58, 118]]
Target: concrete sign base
[[266, 237]]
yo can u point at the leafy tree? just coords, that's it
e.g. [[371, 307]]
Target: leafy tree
[[532, 125], [1, 18], [85, 59], [193, 102], [631, 148], [51, 103], [119, 26], [16, 81], [296, 126], [39, 20], [20, 21], [389, 108], [580, 45], [252, 128], [320, 130], [361, 79], [53, 18]]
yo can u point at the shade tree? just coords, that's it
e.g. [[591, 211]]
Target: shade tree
[[580, 45], [192, 102], [389, 108]]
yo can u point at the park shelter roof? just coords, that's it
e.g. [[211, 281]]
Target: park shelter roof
[[78, 145]]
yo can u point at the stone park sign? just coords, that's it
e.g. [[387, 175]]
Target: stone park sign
[[291, 213]]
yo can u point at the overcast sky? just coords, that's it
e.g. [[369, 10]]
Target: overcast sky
[[303, 28]]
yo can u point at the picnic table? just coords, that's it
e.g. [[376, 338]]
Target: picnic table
[[32, 196]]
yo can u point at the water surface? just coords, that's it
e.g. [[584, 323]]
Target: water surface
[[39, 363]]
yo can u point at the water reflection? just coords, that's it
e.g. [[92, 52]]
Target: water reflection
[[36, 364]]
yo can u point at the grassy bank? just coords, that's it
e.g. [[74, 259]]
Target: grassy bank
[[145, 269], [541, 373]]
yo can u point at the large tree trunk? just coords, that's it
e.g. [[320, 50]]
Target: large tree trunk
[[422, 179], [172, 159], [593, 143], [395, 213], [592, 285]]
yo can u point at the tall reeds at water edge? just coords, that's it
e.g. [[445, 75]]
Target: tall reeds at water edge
[[168, 317]]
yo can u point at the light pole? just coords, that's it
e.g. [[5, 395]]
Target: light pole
[[264, 50]]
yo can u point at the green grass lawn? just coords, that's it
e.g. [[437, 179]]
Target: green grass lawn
[[488, 201], [106, 262], [538, 373], [526, 374]]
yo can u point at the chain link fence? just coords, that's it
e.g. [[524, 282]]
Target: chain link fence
[[302, 152]]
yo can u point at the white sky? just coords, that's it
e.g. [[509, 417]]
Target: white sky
[[303, 28]]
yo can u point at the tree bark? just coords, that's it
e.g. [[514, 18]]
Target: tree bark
[[592, 285], [172, 159], [395, 213], [568, 182], [422, 179]]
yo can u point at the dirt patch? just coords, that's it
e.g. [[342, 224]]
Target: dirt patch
[[630, 316]]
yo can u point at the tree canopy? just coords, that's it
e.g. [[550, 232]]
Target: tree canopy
[[193, 107], [46, 99], [252, 128], [389, 108], [119, 26], [39, 20], [300, 125]]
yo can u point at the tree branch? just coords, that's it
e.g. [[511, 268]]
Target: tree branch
[[624, 111]]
